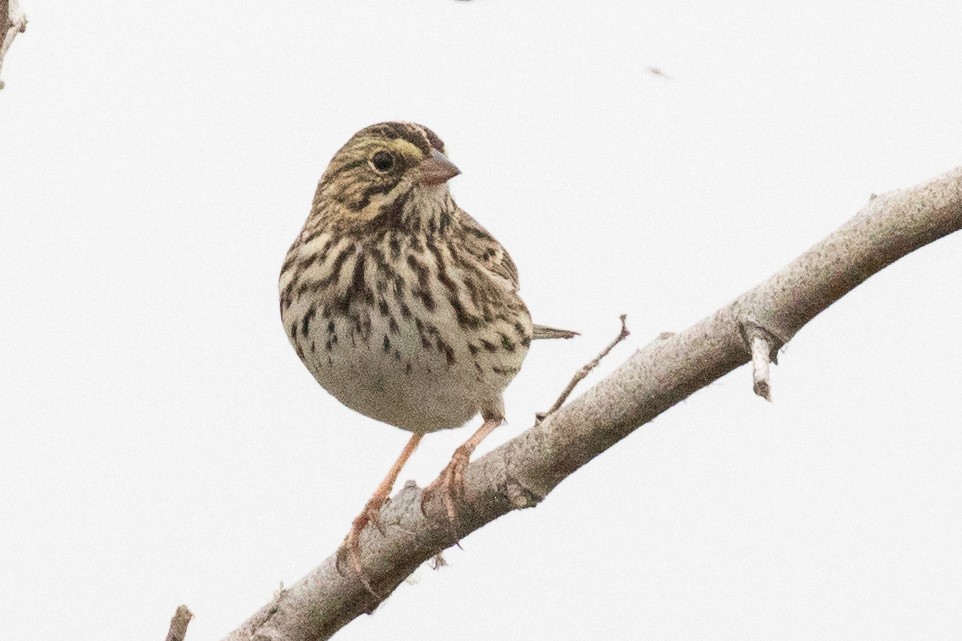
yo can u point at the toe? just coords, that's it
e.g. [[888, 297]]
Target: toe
[[374, 517]]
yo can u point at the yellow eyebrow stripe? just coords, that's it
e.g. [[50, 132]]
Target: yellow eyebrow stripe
[[406, 148]]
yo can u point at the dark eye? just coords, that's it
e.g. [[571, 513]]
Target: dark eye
[[383, 161]]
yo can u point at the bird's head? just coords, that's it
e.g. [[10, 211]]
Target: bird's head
[[391, 170]]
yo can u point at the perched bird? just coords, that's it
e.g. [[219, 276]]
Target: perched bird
[[401, 305]]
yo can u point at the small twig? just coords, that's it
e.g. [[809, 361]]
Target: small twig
[[178, 623], [583, 372]]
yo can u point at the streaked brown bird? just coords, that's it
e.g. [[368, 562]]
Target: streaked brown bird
[[401, 305]]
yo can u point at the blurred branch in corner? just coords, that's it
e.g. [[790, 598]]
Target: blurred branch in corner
[[12, 22]]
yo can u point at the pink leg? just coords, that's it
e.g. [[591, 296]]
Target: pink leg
[[351, 548]]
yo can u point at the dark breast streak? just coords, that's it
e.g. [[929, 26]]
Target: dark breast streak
[[391, 288]]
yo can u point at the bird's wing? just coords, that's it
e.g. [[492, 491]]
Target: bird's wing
[[486, 250], [483, 247]]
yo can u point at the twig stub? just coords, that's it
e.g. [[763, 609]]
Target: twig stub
[[763, 346], [760, 367]]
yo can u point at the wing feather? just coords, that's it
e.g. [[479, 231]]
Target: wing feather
[[483, 247]]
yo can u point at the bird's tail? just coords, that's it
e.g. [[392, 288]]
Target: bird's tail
[[540, 331]]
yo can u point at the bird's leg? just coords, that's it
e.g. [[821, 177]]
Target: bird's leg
[[451, 479], [350, 548]]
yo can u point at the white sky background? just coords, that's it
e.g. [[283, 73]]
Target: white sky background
[[160, 442]]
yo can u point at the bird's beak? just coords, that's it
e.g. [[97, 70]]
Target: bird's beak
[[436, 169]]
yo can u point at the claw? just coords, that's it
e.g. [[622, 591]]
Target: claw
[[350, 549]]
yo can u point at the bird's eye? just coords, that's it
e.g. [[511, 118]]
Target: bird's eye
[[383, 161]]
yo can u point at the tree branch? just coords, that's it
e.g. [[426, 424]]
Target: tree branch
[[12, 22], [523, 471]]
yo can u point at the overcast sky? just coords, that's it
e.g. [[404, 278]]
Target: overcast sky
[[160, 442]]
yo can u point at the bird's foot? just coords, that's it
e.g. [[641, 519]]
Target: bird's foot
[[451, 485], [350, 550]]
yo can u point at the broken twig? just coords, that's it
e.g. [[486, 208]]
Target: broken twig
[[178, 623]]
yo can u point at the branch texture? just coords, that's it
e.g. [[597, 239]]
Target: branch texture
[[523, 471]]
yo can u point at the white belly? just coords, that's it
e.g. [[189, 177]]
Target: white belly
[[415, 378]]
